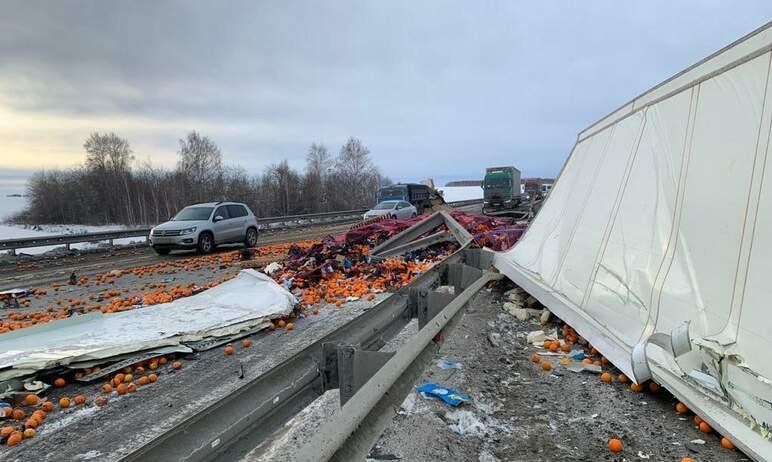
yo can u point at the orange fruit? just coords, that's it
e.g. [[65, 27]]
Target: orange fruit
[[139, 370], [5, 432], [246, 343], [6, 411], [565, 361], [152, 378], [604, 360], [290, 326], [100, 401], [281, 323], [31, 423], [118, 379], [229, 350], [122, 389], [565, 348], [107, 388], [29, 433], [176, 365], [18, 414], [681, 408], [162, 360], [687, 459], [14, 439], [143, 381], [654, 387], [547, 344], [606, 377], [725, 442], [587, 361], [31, 399], [80, 400], [593, 351], [128, 378], [554, 346], [153, 365], [48, 406], [535, 358], [622, 378], [697, 420], [705, 428], [131, 388], [271, 326], [597, 362], [40, 415], [546, 365], [127, 370], [59, 382], [635, 388], [615, 445], [64, 402]]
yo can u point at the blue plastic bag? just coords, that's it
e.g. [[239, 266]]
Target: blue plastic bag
[[450, 396]]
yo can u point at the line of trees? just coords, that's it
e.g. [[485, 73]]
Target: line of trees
[[111, 188]]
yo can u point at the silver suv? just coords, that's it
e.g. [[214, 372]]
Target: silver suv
[[204, 226]]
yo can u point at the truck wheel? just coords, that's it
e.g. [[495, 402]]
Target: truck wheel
[[250, 240], [161, 251], [205, 243]]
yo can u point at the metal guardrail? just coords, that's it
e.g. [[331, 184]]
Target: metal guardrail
[[68, 239]]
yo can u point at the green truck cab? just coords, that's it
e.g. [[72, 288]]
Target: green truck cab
[[501, 189]]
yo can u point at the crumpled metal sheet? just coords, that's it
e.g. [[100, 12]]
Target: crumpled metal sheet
[[656, 242], [242, 303]]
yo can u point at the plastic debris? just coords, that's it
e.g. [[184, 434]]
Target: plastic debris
[[465, 423], [450, 396], [445, 363], [580, 367], [272, 268]]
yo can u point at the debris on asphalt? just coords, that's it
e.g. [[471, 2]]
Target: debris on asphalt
[[450, 396], [446, 363]]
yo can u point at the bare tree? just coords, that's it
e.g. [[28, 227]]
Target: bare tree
[[201, 163]]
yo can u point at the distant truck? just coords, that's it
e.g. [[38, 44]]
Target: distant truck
[[419, 195], [501, 189]]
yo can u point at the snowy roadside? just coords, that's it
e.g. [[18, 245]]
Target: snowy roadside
[[8, 231]]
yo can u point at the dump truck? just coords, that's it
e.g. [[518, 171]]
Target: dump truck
[[501, 189], [422, 196]]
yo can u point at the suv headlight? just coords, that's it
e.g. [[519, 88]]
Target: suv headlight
[[188, 231]]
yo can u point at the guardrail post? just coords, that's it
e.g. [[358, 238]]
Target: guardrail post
[[355, 367]]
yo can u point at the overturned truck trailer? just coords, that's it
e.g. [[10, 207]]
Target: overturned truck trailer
[[656, 241]]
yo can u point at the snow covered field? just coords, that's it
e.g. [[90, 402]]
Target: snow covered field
[[18, 232], [461, 193]]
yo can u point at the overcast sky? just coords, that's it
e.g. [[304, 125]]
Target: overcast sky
[[439, 89]]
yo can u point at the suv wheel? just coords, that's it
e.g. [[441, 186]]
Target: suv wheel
[[161, 251], [250, 240], [205, 243]]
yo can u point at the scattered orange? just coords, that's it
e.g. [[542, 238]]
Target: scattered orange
[[59, 382], [31, 399], [597, 362], [635, 388], [290, 326], [229, 350], [6, 411], [29, 433], [128, 378], [122, 389], [547, 344], [606, 377], [535, 358], [565, 361], [162, 360], [31, 423], [593, 351], [64, 402], [143, 381], [40, 415], [139, 370], [48, 406], [131, 388], [107, 388], [555, 346], [14, 439], [80, 400], [615, 445], [697, 420], [246, 343], [565, 348], [622, 378], [18, 414], [5, 432], [153, 365], [687, 459], [546, 365], [681, 408], [705, 428], [100, 401], [654, 387], [587, 361], [281, 323], [152, 378], [725, 442]]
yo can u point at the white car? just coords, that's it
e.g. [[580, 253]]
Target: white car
[[204, 226], [394, 209]]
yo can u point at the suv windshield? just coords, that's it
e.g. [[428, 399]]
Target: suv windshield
[[193, 214], [384, 206]]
